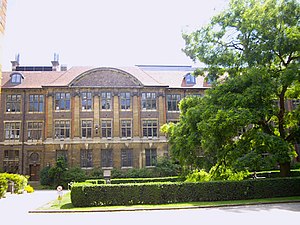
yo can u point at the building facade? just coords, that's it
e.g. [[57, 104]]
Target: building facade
[[3, 6], [92, 117]]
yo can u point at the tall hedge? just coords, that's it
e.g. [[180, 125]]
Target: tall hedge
[[86, 194]]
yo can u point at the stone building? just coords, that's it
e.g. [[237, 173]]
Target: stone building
[[93, 117], [3, 6]]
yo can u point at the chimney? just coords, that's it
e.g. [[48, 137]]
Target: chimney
[[55, 62], [15, 63], [63, 67]]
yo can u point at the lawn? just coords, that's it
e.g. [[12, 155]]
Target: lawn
[[66, 205]]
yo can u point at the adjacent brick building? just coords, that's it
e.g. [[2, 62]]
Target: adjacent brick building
[[93, 117]]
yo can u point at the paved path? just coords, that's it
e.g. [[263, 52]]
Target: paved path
[[15, 208]]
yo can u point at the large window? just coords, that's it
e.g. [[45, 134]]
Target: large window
[[125, 100], [12, 130], [36, 103], [86, 101], [11, 161], [62, 101], [62, 129], [126, 128], [149, 101], [126, 157], [107, 158], [173, 102], [106, 126], [150, 128], [86, 158], [13, 103], [106, 100], [34, 130], [151, 157], [86, 128]]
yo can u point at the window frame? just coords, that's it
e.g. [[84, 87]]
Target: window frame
[[126, 129], [36, 130], [86, 101], [125, 101], [107, 158], [64, 100], [148, 128], [150, 157], [86, 158], [106, 101], [36, 99], [173, 102], [11, 161], [66, 129], [106, 129], [88, 129], [8, 133], [149, 99], [13, 101], [127, 158]]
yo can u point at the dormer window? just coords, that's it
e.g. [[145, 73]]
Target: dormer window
[[16, 78], [190, 79]]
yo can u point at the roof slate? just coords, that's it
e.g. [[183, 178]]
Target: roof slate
[[164, 78]]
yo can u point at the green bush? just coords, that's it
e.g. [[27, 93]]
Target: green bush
[[134, 180], [20, 181], [198, 176], [3, 185], [86, 194]]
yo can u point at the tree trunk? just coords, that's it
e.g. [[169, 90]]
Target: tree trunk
[[285, 169]]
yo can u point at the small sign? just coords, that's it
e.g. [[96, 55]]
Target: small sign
[[59, 193]]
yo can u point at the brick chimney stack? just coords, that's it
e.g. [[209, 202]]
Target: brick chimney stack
[[55, 62], [15, 63]]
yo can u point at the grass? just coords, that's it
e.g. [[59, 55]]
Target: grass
[[66, 205]]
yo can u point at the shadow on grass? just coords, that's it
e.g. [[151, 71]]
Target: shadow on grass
[[67, 206]]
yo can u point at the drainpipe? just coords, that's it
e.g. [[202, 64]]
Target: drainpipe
[[23, 133]]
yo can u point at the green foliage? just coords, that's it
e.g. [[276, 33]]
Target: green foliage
[[198, 176], [3, 185], [61, 175], [45, 179], [217, 173], [252, 48], [85, 194], [20, 181], [29, 189], [165, 167]]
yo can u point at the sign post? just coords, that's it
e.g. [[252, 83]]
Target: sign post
[[59, 193]]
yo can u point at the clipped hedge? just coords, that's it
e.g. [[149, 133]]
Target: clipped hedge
[[135, 180], [86, 194]]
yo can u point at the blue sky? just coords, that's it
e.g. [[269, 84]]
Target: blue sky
[[102, 33]]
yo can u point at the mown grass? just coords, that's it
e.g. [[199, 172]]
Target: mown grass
[[66, 204]]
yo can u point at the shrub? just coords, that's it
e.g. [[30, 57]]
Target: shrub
[[20, 181], [45, 179], [3, 185], [198, 176], [85, 194], [29, 189]]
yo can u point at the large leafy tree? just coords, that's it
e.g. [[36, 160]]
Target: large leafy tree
[[252, 51]]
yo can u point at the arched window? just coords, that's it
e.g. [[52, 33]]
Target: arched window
[[16, 78], [190, 79]]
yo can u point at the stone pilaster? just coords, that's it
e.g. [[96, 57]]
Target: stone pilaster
[[75, 106], [162, 111], [49, 116], [136, 107], [96, 116], [116, 122]]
